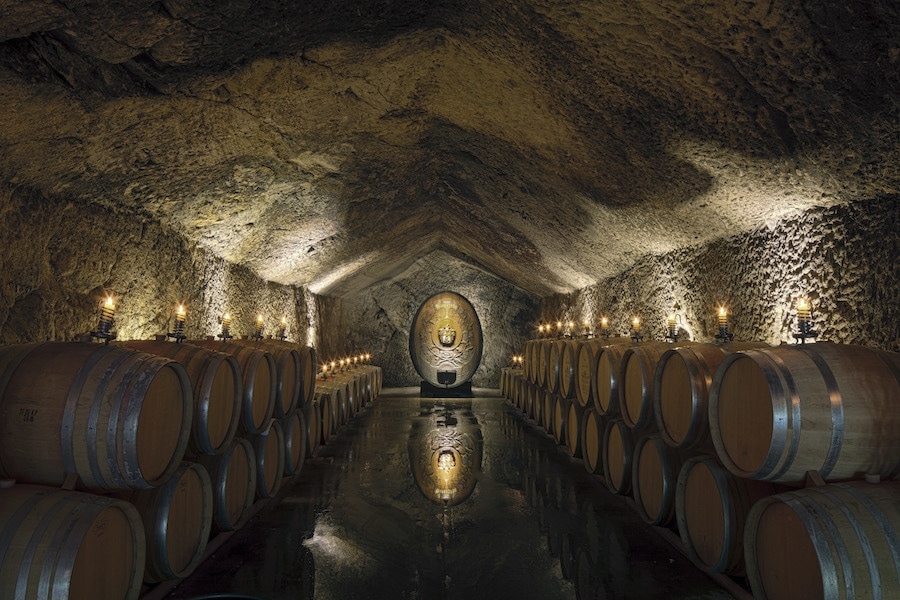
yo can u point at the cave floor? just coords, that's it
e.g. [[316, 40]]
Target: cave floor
[[430, 498]]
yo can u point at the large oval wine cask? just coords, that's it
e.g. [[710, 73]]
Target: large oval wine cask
[[834, 541], [177, 519], [711, 507], [118, 418], [258, 374], [233, 477], [776, 413], [654, 474], [294, 429], [268, 448], [445, 340], [216, 383], [288, 372], [74, 544], [681, 390]]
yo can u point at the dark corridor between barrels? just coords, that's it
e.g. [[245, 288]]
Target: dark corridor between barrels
[[425, 498]]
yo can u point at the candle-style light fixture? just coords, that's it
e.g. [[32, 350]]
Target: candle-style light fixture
[[180, 319], [282, 329], [588, 332], [604, 327], [226, 327], [672, 327], [804, 321], [107, 318], [260, 326], [636, 335], [540, 331], [559, 329], [722, 319]]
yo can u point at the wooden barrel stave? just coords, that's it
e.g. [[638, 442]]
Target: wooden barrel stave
[[233, 478]]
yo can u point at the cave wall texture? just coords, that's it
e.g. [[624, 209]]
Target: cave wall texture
[[845, 259], [60, 259]]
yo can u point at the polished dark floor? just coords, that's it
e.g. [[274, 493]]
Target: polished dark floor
[[422, 498]]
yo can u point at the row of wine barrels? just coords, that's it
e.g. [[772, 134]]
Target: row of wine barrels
[[69, 544], [116, 417]]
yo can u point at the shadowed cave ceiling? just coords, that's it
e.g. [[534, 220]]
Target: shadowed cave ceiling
[[332, 144]]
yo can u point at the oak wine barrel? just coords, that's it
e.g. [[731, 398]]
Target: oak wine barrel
[[118, 418], [637, 368], [177, 518], [233, 478], [294, 429], [216, 383], [592, 441], [654, 474], [258, 374], [568, 366], [268, 447], [776, 413], [833, 541], [73, 544], [573, 439], [288, 372], [607, 379], [618, 451], [711, 507], [681, 391]]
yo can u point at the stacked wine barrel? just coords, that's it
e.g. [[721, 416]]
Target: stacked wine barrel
[[120, 461], [764, 460]]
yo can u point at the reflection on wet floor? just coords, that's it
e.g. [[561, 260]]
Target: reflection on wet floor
[[445, 498]]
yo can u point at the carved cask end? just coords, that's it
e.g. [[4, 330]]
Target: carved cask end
[[445, 340]]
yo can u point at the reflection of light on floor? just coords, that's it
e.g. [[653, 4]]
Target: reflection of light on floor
[[327, 541]]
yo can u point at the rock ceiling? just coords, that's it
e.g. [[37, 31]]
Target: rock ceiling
[[332, 144]]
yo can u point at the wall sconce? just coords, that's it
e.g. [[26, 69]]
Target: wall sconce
[[260, 324], [724, 335], [226, 327], [604, 327], [180, 318], [559, 329], [588, 332], [104, 326], [541, 331], [636, 335], [804, 321], [282, 329], [672, 328]]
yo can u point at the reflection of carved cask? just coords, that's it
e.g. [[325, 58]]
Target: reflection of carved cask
[[445, 340]]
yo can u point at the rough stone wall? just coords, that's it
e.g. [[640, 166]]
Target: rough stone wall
[[378, 320], [59, 260], [845, 259]]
